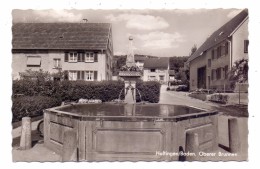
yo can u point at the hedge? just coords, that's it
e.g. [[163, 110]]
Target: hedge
[[70, 90], [35, 96], [74, 90], [150, 91], [31, 106]]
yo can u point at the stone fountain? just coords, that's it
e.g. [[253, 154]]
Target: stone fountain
[[130, 74]]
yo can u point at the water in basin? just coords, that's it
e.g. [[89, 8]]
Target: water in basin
[[145, 110]]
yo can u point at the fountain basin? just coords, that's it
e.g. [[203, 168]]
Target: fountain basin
[[129, 132]]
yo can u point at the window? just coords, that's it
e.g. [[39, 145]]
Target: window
[[56, 63], [89, 57], [80, 75], [151, 78], [226, 71], [209, 62], [218, 73], [89, 76], [161, 77], [161, 71], [152, 70], [223, 50], [73, 57], [33, 61], [246, 43], [72, 75], [213, 72], [219, 52], [226, 48], [212, 54]]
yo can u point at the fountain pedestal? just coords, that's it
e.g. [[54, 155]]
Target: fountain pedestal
[[130, 75], [130, 78]]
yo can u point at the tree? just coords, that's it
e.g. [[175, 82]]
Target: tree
[[119, 61], [193, 49], [183, 75], [177, 62], [239, 72]]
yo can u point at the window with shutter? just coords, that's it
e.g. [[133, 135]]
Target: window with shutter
[[226, 48], [89, 57], [73, 57], [212, 54], [223, 50]]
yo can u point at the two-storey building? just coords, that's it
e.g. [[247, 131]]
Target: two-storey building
[[83, 50], [156, 69], [210, 64]]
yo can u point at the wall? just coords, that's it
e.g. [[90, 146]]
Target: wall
[[147, 73], [220, 62], [238, 38], [20, 64], [194, 65]]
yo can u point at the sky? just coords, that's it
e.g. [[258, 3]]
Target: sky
[[162, 33]]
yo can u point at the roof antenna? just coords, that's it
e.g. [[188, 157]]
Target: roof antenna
[[85, 20]]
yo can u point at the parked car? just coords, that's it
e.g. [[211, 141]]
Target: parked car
[[182, 88]]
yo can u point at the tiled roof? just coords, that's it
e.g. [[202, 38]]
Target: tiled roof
[[221, 34], [156, 63], [92, 36]]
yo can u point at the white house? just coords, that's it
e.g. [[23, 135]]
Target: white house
[[83, 50], [210, 64]]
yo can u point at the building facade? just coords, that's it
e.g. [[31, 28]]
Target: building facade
[[84, 51], [210, 64], [156, 69]]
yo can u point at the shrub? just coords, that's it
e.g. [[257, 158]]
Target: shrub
[[70, 90], [150, 91], [31, 106], [219, 98]]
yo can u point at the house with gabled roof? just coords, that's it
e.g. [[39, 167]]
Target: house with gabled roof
[[156, 69], [210, 64], [83, 50]]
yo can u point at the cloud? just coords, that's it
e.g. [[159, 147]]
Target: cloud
[[189, 11], [233, 13], [140, 22], [57, 15], [161, 40], [119, 53]]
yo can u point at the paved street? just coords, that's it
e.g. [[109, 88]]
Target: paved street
[[181, 98]]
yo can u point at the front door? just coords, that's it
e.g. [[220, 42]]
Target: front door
[[201, 77]]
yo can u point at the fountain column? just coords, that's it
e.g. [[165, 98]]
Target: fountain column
[[130, 75]]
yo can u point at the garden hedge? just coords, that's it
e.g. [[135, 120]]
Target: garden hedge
[[31, 106], [74, 90], [149, 91], [30, 97]]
